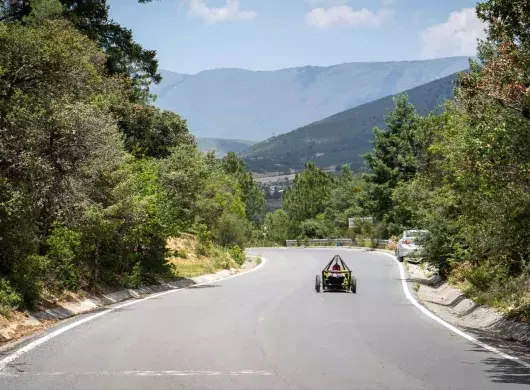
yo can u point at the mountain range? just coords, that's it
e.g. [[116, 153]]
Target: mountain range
[[343, 137], [255, 105]]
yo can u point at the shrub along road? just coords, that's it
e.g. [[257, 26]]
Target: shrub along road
[[269, 329]]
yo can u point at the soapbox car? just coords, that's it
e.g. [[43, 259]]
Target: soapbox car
[[336, 276]]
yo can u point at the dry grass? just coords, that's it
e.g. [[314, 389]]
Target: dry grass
[[186, 262], [17, 326]]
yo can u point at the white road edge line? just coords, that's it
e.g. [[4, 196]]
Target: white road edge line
[[446, 324], [28, 347]]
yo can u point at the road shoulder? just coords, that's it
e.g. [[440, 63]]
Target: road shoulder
[[485, 323]]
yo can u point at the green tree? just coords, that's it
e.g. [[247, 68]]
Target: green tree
[[276, 226], [220, 207], [91, 18], [308, 195], [315, 228], [152, 132], [343, 202], [393, 160], [183, 175], [252, 195], [52, 139]]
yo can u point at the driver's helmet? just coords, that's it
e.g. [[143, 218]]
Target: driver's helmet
[[336, 267]]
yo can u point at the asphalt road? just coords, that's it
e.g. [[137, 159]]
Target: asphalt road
[[269, 329]]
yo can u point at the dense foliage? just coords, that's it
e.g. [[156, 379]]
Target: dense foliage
[[124, 56], [93, 180]]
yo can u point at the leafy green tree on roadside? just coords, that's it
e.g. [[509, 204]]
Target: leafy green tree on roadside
[[276, 226], [124, 56], [183, 177], [52, 138], [393, 160], [344, 199], [252, 194], [151, 132], [307, 196]]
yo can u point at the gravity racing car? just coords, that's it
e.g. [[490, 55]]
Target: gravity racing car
[[336, 276]]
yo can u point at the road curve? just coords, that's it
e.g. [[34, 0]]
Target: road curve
[[269, 330]]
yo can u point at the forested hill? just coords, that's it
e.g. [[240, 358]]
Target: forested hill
[[343, 137]]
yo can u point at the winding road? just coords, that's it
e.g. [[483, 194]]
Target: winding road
[[266, 329]]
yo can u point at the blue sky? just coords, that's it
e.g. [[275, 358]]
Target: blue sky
[[194, 35]]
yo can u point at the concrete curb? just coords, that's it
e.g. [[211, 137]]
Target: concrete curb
[[66, 310], [453, 306], [95, 301]]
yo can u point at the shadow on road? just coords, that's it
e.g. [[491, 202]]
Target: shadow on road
[[502, 370]]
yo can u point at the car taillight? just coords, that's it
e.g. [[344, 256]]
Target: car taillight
[[407, 242]]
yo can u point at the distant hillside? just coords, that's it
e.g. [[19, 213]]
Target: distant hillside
[[341, 138], [223, 146], [242, 104]]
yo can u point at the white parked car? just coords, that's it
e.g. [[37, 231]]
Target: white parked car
[[408, 245]]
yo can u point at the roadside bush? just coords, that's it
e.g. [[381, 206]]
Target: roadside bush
[[182, 253], [134, 278], [204, 240], [257, 238], [378, 232], [232, 230], [361, 232], [277, 226], [63, 244], [222, 259], [237, 254], [314, 228], [28, 278], [492, 284], [9, 298], [18, 233]]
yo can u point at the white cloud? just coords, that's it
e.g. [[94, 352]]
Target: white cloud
[[344, 15], [230, 11], [456, 36]]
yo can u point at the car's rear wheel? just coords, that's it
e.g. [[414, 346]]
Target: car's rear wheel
[[400, 258], [353, 285], [317, 283]]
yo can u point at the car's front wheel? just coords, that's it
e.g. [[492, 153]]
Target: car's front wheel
[[317, 283]]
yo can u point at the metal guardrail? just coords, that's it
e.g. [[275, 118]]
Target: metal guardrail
[[329, 241], [291, 242]]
